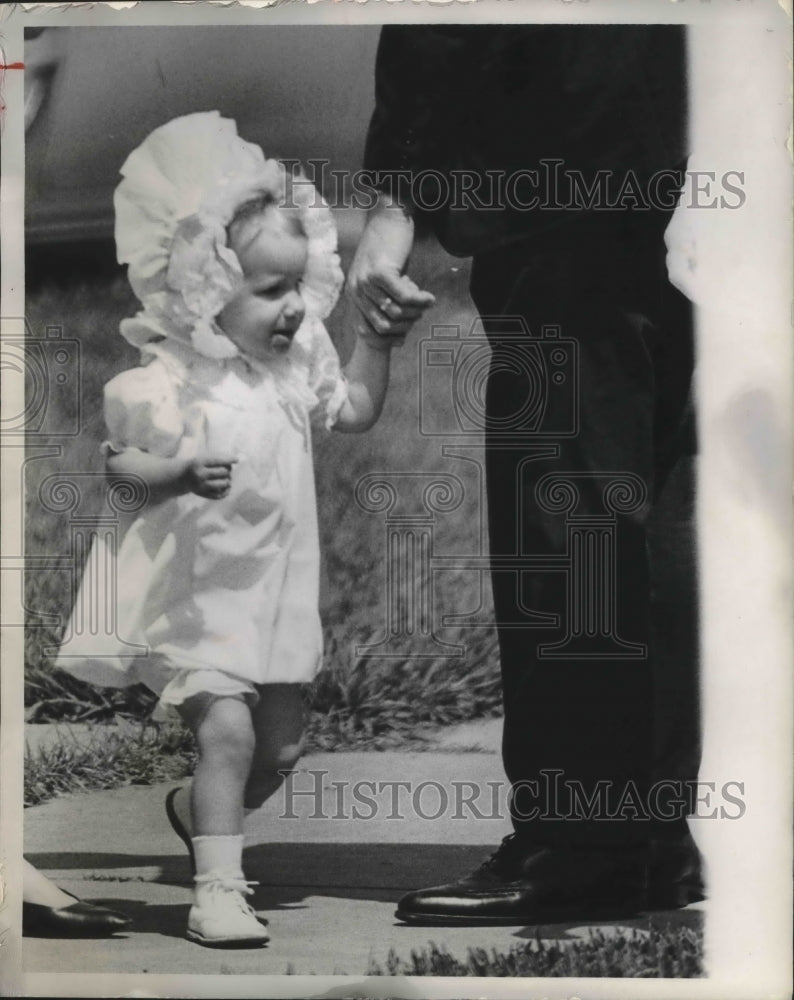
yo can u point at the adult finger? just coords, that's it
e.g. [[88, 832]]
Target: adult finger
[[400, 289], [379, 325], [391, 309], [389, 282]]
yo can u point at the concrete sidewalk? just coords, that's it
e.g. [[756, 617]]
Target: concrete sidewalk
[[332, 852]]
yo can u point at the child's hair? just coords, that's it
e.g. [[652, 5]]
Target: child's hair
[[185, 189]]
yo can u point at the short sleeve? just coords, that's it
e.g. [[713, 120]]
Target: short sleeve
[[142, 411], [324, 372]]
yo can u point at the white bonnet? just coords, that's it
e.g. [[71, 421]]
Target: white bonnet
[[180, 190]]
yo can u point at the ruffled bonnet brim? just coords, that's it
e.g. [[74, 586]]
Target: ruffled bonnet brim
[[180, 190]]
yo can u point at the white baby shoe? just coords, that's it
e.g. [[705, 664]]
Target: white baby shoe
[[220, 916]]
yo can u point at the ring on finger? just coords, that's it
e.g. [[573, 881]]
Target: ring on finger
[[385, 303]]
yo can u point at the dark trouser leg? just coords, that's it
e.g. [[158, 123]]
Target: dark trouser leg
[[674, 641], [590, 716]]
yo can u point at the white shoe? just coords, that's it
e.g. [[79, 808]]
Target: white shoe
[[221, 917]]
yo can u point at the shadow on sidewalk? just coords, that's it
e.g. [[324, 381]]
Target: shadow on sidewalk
[[370, 871], [289, 875]]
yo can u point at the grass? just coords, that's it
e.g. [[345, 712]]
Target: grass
[[141, 756], [662, 953], [360, 708], [358, 700]]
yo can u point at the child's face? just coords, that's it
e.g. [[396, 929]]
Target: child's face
[[267, 311]]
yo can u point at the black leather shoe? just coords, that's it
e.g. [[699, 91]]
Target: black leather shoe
[[523, 884], [79, 919], [675, 873]]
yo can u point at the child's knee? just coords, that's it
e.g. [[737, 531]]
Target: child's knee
[[231, 746], [225, 731]]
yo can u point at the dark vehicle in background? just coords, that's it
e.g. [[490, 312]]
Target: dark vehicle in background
[[93, 94]]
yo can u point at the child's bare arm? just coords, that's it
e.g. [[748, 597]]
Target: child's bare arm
[[209, 477], [367, 374]]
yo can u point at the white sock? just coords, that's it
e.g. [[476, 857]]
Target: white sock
[[223, 854]]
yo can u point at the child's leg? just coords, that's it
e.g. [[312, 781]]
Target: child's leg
[[279, 720], [225, 739]]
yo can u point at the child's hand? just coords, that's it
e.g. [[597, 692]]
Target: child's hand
[[209, 477]]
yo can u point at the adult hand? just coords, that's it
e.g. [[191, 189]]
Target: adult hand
[[388, 300]]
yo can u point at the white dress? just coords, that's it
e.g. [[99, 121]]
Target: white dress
[[218, 595]]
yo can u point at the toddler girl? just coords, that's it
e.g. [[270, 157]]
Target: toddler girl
[[235, 264]]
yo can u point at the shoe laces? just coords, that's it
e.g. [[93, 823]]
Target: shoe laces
[[235, 889], [505, 859]]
